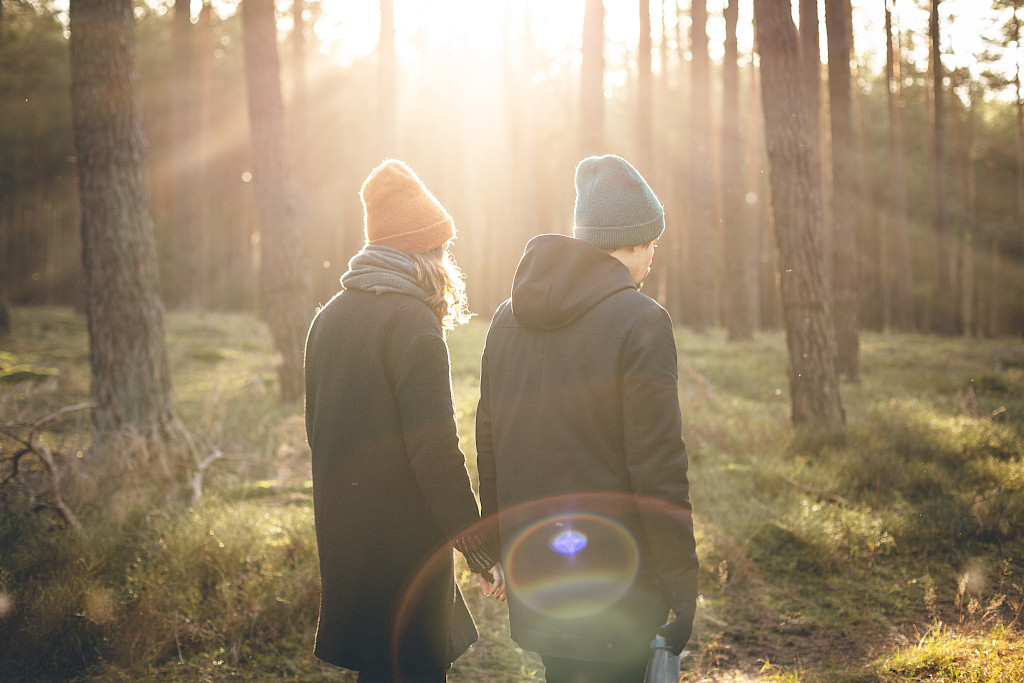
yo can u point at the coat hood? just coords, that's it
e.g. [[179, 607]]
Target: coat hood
[[560, 278]]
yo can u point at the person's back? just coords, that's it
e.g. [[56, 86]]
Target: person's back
[[580, 450]]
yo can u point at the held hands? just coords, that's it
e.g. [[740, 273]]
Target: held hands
[[492, 582]]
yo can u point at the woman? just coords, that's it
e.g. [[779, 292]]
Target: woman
[[391, 493]]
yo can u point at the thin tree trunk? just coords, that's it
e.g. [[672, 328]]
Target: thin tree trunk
[[1019, 106], [187, 283], [699, 286], [845, 198], [5, 315], [592, 80], [131, 379], [645, 94], [968, 273], [899, 278], [205, 192], [941, 304], [810, 336], [286, 295], [734, 215]]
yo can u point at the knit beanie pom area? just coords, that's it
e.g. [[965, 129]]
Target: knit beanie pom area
[[615, 207], [399, 212]]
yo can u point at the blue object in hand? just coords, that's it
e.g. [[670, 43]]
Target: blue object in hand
[[663, 666]]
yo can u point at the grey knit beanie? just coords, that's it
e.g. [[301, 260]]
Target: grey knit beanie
[[615, 207]]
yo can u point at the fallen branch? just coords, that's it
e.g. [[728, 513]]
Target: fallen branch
[[197, 478], [31, 444]]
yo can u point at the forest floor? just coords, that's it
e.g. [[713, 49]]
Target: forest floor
[[895, 553]]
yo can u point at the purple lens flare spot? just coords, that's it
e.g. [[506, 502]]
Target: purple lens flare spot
[[568, 542]]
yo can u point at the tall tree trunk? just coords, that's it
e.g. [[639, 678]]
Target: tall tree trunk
[[187, 283], [845, 195], [1019, 106], [941, 303], [645, 94], [699, 286], [592, 80], [205, 177], [387, 82], [810, 336], [810, 63], [968, 286], [899, 275], [734, 213], [5, 315], [764, 291], [285, 289], [131, 379]]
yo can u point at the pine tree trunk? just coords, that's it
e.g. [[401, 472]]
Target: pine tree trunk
[[845, 198], [941, 302], [1019, 106], [285, 289], [899, 278], [131, 381], [5, 315], [645, 94], [592, 81], [187, 283], [699, 284], [810, 336], [734, 214]]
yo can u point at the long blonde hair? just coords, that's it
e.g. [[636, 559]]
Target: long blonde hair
[[437, 272]]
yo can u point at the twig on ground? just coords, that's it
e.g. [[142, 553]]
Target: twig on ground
[[197, 478], [31, 444]]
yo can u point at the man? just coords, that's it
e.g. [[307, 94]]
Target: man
[[580, 452]]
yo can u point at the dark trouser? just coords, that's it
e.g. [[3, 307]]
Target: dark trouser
[[561, 670]]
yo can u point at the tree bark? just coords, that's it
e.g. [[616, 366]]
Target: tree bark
[[845, 196], [645, 94], [699, 284], [285, 287], [592, 81], [810, 336], [1019, 107], [900, 311], [941, 303], [5, 314], [131, 380], [188, 258], [735, 228]]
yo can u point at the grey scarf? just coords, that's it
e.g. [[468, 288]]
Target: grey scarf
[[383, 270]]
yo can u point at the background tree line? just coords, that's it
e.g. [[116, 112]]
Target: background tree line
[[902, 208]]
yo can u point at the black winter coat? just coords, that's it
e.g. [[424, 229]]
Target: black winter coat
[[580, 454], [390, 486]]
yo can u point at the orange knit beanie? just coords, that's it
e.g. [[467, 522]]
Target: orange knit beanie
[[399, 212]]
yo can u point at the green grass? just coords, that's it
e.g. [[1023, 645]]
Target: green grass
[[822, 559]]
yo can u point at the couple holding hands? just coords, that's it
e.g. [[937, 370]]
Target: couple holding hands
[[584, 522]]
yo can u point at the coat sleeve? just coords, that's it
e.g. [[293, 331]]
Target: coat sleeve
[[656, 457], [423, 393], [485, 463]]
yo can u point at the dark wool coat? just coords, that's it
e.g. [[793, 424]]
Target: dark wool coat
[[579, 415], [390, 486]]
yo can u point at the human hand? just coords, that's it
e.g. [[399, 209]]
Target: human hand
[[677, 632], [494, 585]]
